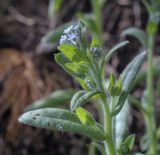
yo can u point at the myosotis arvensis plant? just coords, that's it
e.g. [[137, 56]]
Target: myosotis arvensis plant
[[85, 61], [147, 39]]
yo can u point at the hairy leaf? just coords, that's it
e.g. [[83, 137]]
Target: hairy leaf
[[99, 147], [72, 53], [61, 120], [127, 145], [121, 124], [62, 61], [138, 34], [114, 49], [130, 141], [128, 77], [77, 68], [81, 97], [54, 99], [85, 117]]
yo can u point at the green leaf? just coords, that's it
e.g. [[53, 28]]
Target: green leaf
[[130, 141], [95, 42], [77, 68], [61, 59], [81, 97], [61, 120], [141, 77], [114, 49], [121, 124], [85, 117], [144, 143], [127, 145], [56, 98], [114, 88], [138, 34], [82, 83], [54, 36], [72, 53], [54, 7], [129, 74], [112, 79], [128, 77], [99, 147], [75, 98]]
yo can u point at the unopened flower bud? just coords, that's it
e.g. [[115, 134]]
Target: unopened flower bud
[[89, 83], [96, 52]]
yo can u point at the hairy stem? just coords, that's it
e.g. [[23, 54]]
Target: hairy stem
[[108, 143], [110, 148], [150, 118], [97, 9]]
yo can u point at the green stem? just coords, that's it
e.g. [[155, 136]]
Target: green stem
[[150, 118], [113, 119], [108, 129], [97, 9], [109, 145]]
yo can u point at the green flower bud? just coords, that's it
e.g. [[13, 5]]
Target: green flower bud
[[114, 88], [96, 52], [85, 117]]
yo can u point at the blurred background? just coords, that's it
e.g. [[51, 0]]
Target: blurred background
[[28, 71]]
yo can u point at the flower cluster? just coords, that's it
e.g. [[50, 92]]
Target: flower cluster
[[71, 35], [96, 52]]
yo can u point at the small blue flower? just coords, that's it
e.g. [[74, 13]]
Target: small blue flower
[[63, 39], [71, 35], [69, 29]]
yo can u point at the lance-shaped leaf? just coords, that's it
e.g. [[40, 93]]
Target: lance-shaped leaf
[[121, 124], [85, 117], [54, 99], [130, 141], [53, 36], [114, 49], [61, 120], [128, 77], [77, 68], [127, 145], [82, 97], [62, 60], [138, 34], [115, 87], [99, 147], [72, 52]]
